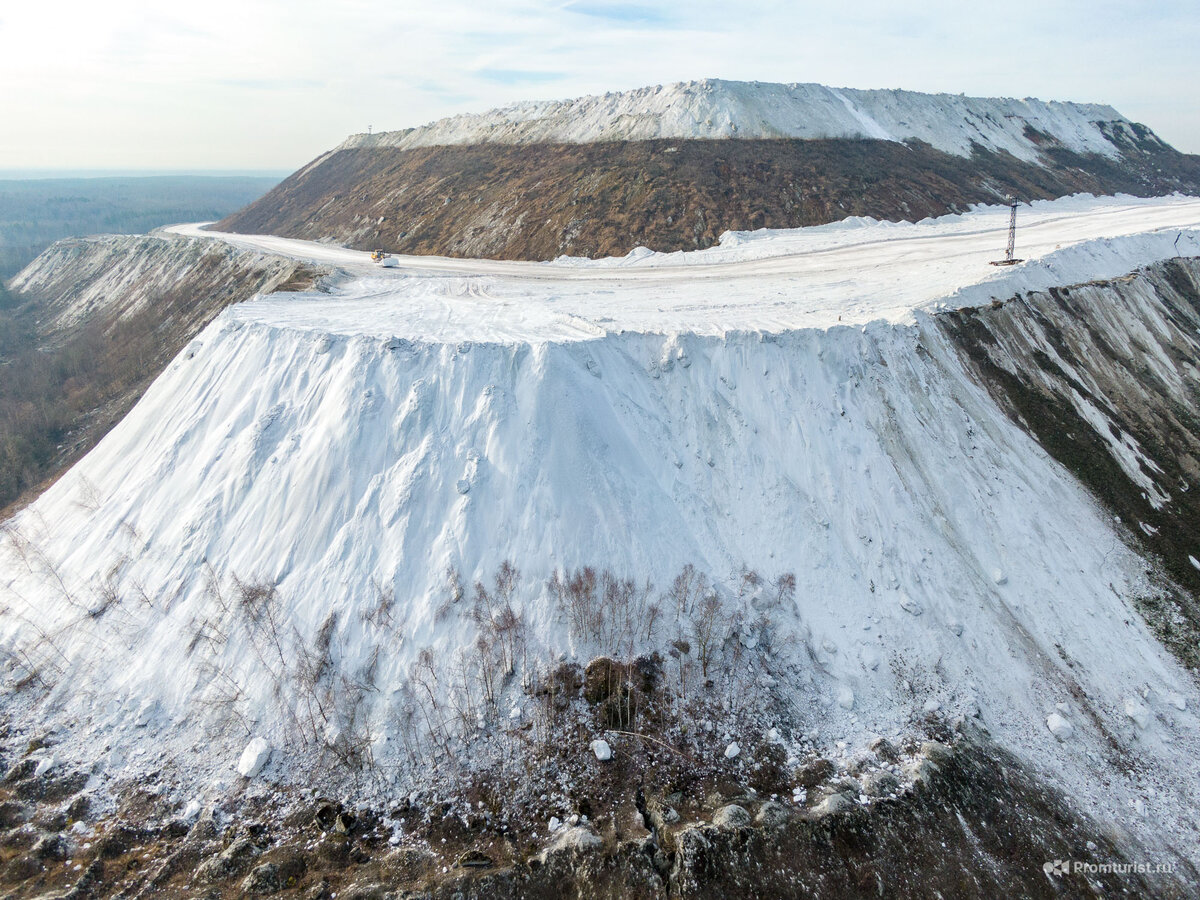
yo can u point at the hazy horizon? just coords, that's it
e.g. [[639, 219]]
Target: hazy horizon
[[268, 87], [49, 174]]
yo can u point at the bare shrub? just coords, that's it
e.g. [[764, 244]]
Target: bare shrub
[[785, 588], [605, 611], [350, 739], [315, 662], [750, 581], [574, 594], [225, 697], [424, 676], [89, 495], [107, 598], [383, 603], [256, 598], [455, 592], [501, 626], [38, 564]]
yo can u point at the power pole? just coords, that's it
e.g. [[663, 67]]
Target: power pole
[[1009, 259], [1012, 234]]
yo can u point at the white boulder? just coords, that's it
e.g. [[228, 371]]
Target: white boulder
[[579, 839], [1137, 711], [254, 757], [602, 750], [1060, 727], [910, 606], [732, 751], [191, 812]]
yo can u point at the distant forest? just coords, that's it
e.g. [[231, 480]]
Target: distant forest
[[48, 393], [35, 213]]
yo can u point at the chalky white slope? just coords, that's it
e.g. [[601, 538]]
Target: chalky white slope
[[715, 109], [639, 416]]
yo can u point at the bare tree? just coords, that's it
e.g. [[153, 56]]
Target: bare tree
[[708, 627], [383, 602], [686, 590]]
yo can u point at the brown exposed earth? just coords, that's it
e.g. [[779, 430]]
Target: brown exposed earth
[[540, 201], [641, 827]]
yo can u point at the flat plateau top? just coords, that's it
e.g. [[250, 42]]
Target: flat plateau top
[[847, 273], [715, 109]]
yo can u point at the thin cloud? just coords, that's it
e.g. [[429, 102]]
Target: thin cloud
[[273, 84], [632, 13], [519, 76]]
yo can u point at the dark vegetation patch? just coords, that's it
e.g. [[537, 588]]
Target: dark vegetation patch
[[1007, 345], [61, 390], [542, 200]]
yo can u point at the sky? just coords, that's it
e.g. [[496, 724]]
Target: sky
[[271, 84]]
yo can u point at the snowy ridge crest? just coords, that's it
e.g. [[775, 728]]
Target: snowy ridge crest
[[714, 109]]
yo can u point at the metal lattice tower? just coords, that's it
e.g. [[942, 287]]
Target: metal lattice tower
[[1012, 234], [1009, 258]]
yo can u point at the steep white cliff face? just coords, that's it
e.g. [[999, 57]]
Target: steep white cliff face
[[311, 455], [715, 109]]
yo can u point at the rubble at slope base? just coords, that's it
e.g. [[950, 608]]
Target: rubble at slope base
[[955, 815]]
